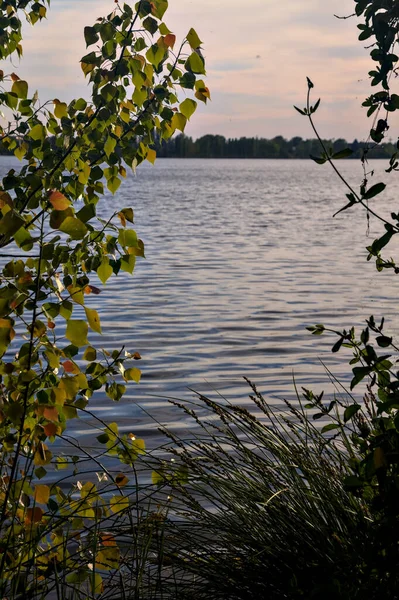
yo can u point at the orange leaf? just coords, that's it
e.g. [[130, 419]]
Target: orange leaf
[[122, 219], [14, 77], [170, 40], [34, 515], [42, 494], [137, 356], [70, 367], [50, 413], [108, 540], [6, 323], [5, 198], [58, 201], [50, 429], [93, 290], [121, 480]]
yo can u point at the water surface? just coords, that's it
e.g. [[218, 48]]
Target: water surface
[[242, 255]]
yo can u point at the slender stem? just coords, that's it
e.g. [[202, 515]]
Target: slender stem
[[341, 177]]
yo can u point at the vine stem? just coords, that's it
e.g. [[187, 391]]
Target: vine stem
[[341, 177]]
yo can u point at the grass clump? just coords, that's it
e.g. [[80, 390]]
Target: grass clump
[[265, 511]]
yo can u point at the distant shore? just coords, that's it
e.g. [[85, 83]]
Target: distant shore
[[217, 146]]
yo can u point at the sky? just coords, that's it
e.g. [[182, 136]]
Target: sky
[[258, 54]]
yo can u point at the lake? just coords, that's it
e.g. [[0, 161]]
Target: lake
[[241, 256]]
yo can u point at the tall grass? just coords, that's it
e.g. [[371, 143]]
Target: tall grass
[[264, 513]]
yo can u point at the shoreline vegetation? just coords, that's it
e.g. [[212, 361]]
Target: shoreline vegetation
[[217, 146]]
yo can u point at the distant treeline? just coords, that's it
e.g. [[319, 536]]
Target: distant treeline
[[217, 146]]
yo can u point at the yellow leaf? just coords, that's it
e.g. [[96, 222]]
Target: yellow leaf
[[62, 463], [157, 477], [6, 323], [59, 395], [138, 444], [151, 156], [88, 492], [76, 332], [119, 503], [60, 110], [133, 374], [105, 270], [93, 319], [76, 294], [108, 558], [42, 494], [42, 455], [96, 582]]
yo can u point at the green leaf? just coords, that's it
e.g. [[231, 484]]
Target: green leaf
[[163, 29], [20, 88], [38, 132], [383, 341], [76, 332], [351, 411], [91, 36], [10, 223], [115, 391], [351, 482], [128, 263], [109, 146], [128, 214], [90, 354], [302, 112], [374, 191], [93, 319], [74, 228], [66, 309], [150, 25], [105, 270], [157, 477], [187, 107], [337, 345], [320, 160], [132, 374], [60, 110], [179, 121], [23, 239], [155, 54], [315, 107], [352, 201], [128, 238], [20, 152], [113, 184], [195, 64], [342, 153], [193, 39], [330, 427]]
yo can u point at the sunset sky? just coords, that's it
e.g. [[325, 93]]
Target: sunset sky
[[258, 55]]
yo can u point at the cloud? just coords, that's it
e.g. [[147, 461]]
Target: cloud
[[294, 39]]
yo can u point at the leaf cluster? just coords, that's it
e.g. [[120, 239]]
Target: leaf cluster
[[56, 253]]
